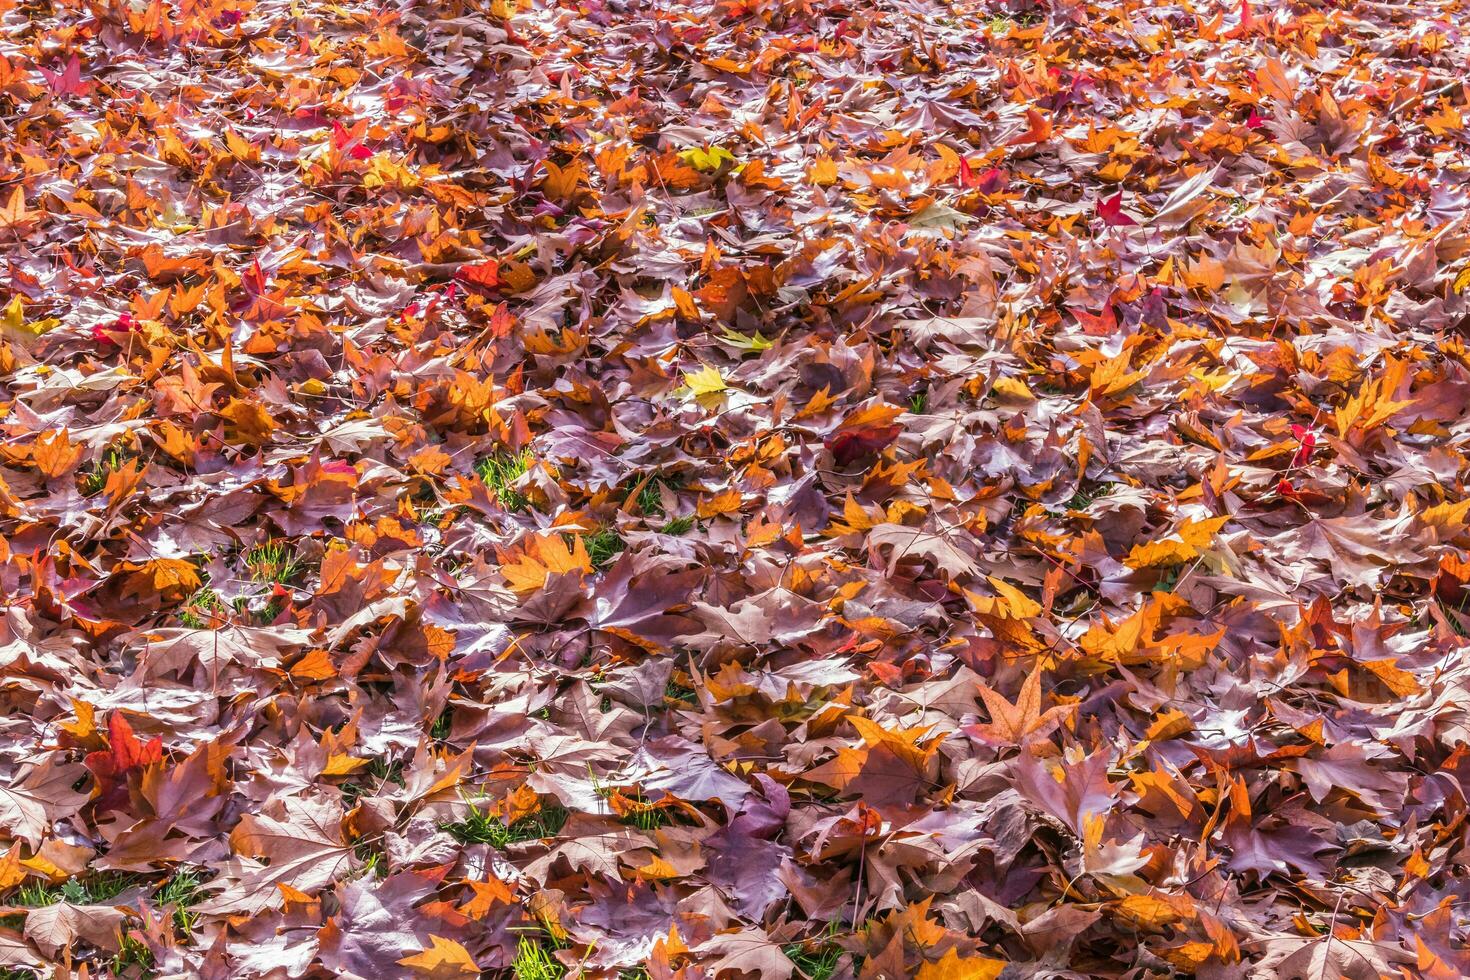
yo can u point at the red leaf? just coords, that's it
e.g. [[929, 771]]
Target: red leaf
[[1110, 209], [848, 447], [1307, 440], [993, 181], [68, 81], [127, 751], [485, 274], [349, 141], [124, 754], [967, 174]]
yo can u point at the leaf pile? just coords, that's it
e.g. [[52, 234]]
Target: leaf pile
[[746, 488]]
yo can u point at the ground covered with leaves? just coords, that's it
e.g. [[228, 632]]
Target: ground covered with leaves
[[747, 488]]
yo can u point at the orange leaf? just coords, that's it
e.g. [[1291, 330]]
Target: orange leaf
[[1038, 129], [542, 556], [952, 966], [445, 958]]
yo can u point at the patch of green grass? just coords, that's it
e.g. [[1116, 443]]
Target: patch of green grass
[[499, 470], [678, 692], [1086, 494], [677, 526], [274, 561], [479, 827], [534, 962], [1001, 22], [647, 819], [439, 731], [1445, 610], [815, 964], [650, 501], [182, 892], [816, 959], [374, 864], [378, 772], [88, 890], [94, 479], [603, 547], [651, 504], [650, 498], [919, 402], [202, 608], [133, 960]]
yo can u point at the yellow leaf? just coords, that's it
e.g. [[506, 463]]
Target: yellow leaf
[[315, 666], [1192, 538], [1446, 517], [247, 422], [854, 519], [14, 321], [159, 577], [1395, 678], [705, 381], [1009, 603], [1203, 273], [1190, 956], [658, 868], [707, 160], [822, 172], [727, 502], [1014, 389], [1152, 912], [44, 867], [904, 743], [341, 765], [445, 958], [1445, 120], [754, 343], [952, 966], [542, 557], [1111, 376]]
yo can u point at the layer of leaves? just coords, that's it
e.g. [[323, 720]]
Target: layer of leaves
[[727, 488]]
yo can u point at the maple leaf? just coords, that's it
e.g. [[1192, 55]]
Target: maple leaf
[[17, 219], [124, 756], [542, 556], [706, 381], [863, 433], [1020, 723], [68, 81], [1038, 129], [953, 966], [708, 159], [944, 551], [745, 951], [14, 320], [301, 841], [441, 960], [485, 275], [60, 925], [1110, 209], [40, 794]]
